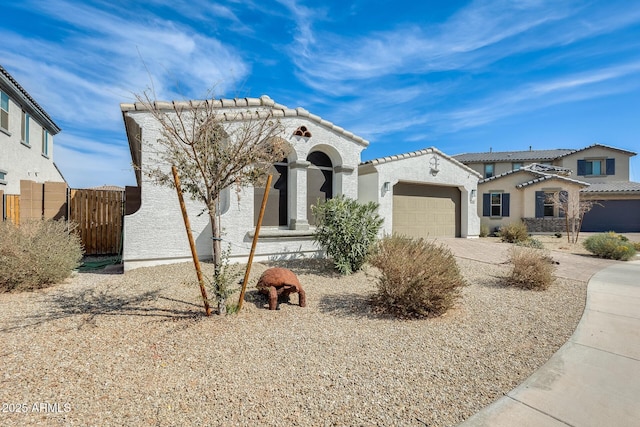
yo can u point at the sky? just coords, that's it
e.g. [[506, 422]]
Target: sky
[[461, 76]]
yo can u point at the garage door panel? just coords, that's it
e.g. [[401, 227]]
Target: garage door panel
[[622, 216], [426, 210]]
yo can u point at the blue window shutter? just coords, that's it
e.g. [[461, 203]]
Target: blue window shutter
[[564, 198], [486, 204], [505, 204], [611, 167], [540, 204], [582, 168]]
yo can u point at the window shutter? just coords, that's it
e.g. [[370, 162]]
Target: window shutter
[[582, 168], [486, 204], [564, 198], [540, 197], [505, 204], [611, 167]]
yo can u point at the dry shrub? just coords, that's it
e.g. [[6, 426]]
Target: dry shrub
[[36, 254], [418, 278], [532, 268], [514, 232]]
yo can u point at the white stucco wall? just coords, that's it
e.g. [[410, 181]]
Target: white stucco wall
[[417, 167], [155, 234], [23, 160]]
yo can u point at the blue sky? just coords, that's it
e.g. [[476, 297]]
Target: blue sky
[[462, 76]]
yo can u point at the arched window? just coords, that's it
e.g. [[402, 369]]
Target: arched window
[[276, 212], [319, 181]]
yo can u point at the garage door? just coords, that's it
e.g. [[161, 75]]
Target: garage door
[[622, 216], [426, 210]]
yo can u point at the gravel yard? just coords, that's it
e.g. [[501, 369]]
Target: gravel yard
[[136, 350]]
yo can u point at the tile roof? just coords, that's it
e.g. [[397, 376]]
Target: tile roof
[[28, 102], [511, 156], [614, 187], [533, 169], [264, 102], [539, 155], [417, 153]]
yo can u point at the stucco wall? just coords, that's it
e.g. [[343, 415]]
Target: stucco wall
[[621, 164], [418, 169], [155, 234], [22, 161]]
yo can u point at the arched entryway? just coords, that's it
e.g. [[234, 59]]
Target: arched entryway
[[319, 181]]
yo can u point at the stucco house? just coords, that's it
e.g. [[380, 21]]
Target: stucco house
[[518, 185], [325, 161], [26, 138], [423, 193]]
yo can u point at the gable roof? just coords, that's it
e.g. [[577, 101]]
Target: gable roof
[[22, 97], [530, 155], [538, 176], [262, 103], [418, 153]]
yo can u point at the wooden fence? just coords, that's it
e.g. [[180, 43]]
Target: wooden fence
[[97, 213]]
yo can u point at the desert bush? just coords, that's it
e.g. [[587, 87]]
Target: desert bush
[[484, 230], [636, 246], [347, 231], [513, 232], [531, 242], [418, 278], [532, 268], [36, 254], [610, 245]]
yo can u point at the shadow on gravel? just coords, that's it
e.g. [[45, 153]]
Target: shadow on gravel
[[90, 304], [347, 305]]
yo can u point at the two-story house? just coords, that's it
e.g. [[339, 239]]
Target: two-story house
[[521, 185], [26, 138]]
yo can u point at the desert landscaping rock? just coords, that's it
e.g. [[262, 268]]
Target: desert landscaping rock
[[136, 349]]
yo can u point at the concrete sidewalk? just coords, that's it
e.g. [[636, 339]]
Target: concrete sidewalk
[[594, 379]]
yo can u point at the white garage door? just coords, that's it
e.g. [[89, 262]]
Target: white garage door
[[426, 210]]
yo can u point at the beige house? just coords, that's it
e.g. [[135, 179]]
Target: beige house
[[519, 185]]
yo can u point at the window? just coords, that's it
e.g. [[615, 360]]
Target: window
[[45, 143], [488, 170], [549, 205], [24, 128], [4, 111], [495, 204], [3, 176], [517, 165], [596, 167]]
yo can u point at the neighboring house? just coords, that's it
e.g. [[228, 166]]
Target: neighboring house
[[324, 162], [519, 185], [424, 193], [26, 138]]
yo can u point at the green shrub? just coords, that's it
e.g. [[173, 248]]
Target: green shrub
[[418, 278], [347, 231], [636, 246], [514, 232], [611, 246], [36, 254], [532, 268], [484, 230], [531, 242]]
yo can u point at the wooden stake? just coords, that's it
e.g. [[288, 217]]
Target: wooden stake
[[255, 242], [194, 254]]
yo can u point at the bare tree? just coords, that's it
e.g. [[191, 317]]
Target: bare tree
[[213, 150], [573, 207]]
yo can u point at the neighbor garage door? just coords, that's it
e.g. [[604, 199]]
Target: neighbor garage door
[[622, 216], [426, 210]]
